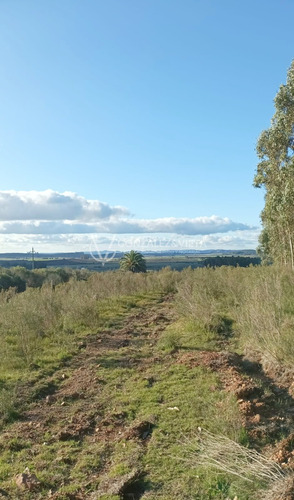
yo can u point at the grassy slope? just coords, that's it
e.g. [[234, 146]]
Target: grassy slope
[[108, 397], [120, 408]]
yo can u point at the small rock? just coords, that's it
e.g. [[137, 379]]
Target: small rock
[[256, 419], [27, 481], [49, 399]]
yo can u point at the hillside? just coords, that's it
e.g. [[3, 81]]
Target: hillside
[[130, 397]]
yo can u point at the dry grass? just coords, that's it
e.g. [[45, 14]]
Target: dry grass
[[282, 489], [266, 317], [32, 321], [257, 301], [219, 452]]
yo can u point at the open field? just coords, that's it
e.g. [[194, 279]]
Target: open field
[[110, 262], [163, 385]]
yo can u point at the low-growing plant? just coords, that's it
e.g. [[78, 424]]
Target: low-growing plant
[[210, 296], [170, 341], [8, 405], [266, 318]]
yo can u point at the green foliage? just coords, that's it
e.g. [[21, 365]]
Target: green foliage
[[230, 260], [9, 280], [170, 341], [186, 335], [8, 410], [275, 172], [20, 278], [133, 261], [209, 297]]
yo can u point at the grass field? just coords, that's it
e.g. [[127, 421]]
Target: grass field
[[136, 387]]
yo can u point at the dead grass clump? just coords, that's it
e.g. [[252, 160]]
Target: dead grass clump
[[228, 456], [266, 318], [283, 489]]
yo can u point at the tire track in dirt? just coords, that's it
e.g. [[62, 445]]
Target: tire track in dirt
[[71, 409]]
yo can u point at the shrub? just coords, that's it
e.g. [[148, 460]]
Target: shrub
[[266, 318], [210, 296]]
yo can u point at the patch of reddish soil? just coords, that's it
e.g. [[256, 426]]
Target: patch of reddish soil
[[265, 404]]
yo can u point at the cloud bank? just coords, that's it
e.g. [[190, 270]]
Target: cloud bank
[[233, 240], [50, 205], [198, 225], [53, 218]]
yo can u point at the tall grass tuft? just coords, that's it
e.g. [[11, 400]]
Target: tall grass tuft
[[266, 318]]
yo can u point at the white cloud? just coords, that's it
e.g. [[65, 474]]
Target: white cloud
[[51, 205], [61, 220], [233, 240], [198, 225]]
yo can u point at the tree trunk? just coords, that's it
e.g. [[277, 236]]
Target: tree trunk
[[291, 251]]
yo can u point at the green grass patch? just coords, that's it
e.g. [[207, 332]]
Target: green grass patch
[[187, 335]]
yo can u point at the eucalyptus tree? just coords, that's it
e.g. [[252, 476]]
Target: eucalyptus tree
[[275, 172], [133, 261]]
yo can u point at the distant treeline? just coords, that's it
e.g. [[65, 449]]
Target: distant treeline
[[41, 264], [20, 278], [231, 260]]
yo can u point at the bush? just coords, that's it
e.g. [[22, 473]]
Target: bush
[[266, 318], [210, 296]]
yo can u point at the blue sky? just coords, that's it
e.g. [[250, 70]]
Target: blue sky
[[142, 113]]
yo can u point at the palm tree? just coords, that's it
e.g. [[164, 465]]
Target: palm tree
[[133, 261]]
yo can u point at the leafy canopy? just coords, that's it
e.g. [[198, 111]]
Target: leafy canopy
[[275, 172], [133, 261]]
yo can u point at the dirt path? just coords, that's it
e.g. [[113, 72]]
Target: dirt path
[[71, 408], [73, 417]]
